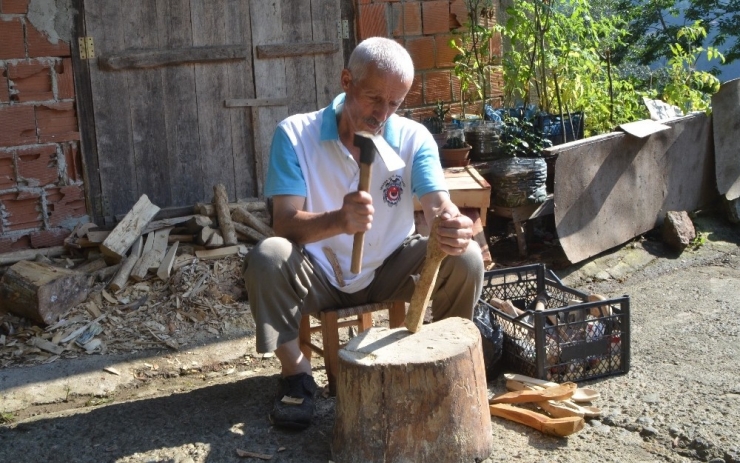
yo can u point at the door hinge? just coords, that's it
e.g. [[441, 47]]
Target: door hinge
[[342, 29], [87, 47]]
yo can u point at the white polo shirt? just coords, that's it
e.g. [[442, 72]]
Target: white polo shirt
[[307, 159]]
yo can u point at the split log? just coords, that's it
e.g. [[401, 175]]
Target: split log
[[119, 281], [128, 230], [198, 223], [249, 233], [209, 254], [215, 240], [150, 260], [92, 266], [166, 266], [166, 223], [251, 206], [42, 292], [420, 397], [204, 235], [242, 215], [29, 254], [221, 201]]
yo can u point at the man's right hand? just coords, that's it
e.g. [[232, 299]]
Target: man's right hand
[[357, 212]]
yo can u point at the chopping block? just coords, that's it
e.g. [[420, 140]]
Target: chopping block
[[404, 397]]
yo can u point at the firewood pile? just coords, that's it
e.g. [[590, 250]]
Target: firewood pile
[[150, 282]]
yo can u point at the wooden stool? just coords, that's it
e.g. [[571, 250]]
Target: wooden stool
[[360, 316], [413, 397]]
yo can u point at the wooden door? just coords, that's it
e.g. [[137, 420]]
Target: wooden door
[[186, 93]]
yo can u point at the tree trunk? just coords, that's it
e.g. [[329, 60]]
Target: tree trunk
[[405, 397]]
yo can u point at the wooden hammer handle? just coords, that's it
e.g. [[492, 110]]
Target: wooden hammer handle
[[427, 279], [359, 243]]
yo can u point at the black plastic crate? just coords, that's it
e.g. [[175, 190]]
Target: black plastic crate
[[589, 340]]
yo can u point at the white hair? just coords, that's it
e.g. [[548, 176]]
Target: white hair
[[385, 54]]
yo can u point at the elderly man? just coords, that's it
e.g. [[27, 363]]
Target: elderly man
[[313, 179]]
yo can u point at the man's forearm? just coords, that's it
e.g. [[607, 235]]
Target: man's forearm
[[309, 227]]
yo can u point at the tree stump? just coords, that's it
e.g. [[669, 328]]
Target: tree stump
[[404, 397]]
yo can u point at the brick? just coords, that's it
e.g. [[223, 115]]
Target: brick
[[14, 6], [65, 204], [39, 44], [20, 211], [422, 53], [30, 81], [57, 122], [37, 166], [4, 88], [414, 96], [65, 82], [7, 170], [12, 44], [16, 243], [435, 17], [373, 21], [497, 47], [406, 19], [437, 86], [19, 125], [48, 238], [445, 53], [459, 11], [73, 162]]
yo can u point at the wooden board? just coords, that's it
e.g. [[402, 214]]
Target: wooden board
[[467, 189]]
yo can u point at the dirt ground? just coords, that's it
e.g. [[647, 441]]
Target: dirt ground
[[208, 401]]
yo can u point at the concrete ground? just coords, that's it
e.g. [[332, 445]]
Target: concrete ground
[[209, 402]]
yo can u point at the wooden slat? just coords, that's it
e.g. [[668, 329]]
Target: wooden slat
[[328, 67], [252, 102], [270, 81], [144, 59], [212, 88], [284, 50], [146, 97], [241, 86], [296, 29], [112, 114], [181, 112]]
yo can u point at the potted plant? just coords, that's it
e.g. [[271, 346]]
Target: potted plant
[[436, 124], [454, 153]]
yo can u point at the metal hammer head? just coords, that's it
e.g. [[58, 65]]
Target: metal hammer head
[[367, 148]]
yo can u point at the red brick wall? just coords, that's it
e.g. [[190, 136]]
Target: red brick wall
[[41, 190], [424, 27]]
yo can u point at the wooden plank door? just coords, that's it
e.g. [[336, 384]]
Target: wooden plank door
[[187, 93]]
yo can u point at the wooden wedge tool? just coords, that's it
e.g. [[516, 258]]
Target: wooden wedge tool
[[427, 279], [560, 427], [367, 157]]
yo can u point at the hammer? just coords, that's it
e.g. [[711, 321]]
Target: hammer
[[367, 156]]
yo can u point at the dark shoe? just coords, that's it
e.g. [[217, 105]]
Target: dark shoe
[[294, 404]]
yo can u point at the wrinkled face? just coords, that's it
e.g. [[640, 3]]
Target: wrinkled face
[[370, 102]]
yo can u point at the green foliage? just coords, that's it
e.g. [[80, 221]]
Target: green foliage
[[474, 60], [454, 142], [6, 417], [689, 89], [699, 240], [521, 138], [435, 124]]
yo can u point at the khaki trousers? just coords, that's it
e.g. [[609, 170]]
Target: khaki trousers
[[283, 285]]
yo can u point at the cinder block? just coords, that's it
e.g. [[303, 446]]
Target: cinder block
[[73, 162], [57, 122], [406, 19], [437, 86], [39, 44], [37, 166], [48, 238], [21, 211], [65, 81], [14, 6], [7, 170], [65, 204], [422, 52], [12, 45], [19, 125], [445, 53], [30, 81], [373, 20], [435, 17]]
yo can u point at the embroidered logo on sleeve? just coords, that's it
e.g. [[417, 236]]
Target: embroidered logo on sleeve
[[393, 189]]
